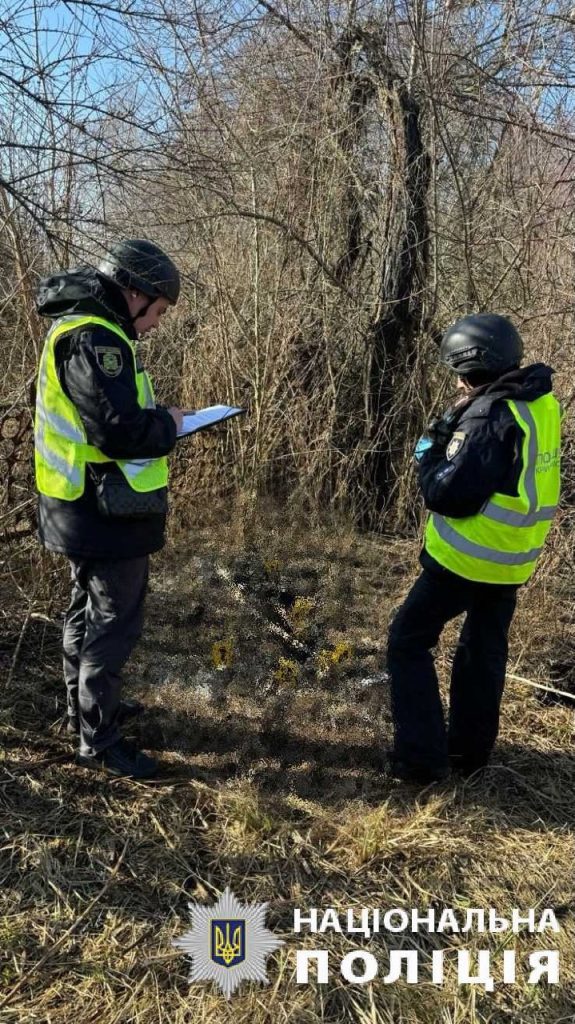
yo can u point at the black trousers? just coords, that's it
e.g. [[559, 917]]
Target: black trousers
[[422, 742], [103, 622]]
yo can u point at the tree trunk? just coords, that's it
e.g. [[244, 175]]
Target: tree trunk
[[393, 334]]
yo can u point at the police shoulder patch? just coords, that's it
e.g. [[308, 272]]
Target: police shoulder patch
[[109, 359], [455, 445]]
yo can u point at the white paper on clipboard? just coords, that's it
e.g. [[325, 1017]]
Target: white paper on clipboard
[[203, 418]]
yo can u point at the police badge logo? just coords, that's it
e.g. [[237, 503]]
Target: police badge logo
[[109, 359], [228, 943], [455, 445]]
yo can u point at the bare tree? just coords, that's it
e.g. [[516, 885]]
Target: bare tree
[[342, 182]]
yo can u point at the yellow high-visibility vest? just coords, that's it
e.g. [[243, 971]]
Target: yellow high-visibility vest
[[61, 447], [502, 542]]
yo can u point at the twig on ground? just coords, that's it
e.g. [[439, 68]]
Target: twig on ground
[[541, 686], [17, 650]]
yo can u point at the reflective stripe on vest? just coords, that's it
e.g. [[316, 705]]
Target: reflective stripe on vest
[[61, 448], [502, 542], [493, 511], [469, 547]]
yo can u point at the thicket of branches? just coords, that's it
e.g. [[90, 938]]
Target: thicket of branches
[[338, 181]]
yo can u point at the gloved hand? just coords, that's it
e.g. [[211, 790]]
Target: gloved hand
[[441, 429], [422, 445]]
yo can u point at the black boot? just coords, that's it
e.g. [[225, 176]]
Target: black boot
[[470, 764], [421, 774], [123, 759]]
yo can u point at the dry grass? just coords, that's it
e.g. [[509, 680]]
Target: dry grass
[[275, 786]]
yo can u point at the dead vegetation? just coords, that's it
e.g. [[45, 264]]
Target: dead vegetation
[[338, 183], [274, 783]]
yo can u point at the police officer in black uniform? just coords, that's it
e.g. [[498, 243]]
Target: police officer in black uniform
[[96, 370], [476, 451]]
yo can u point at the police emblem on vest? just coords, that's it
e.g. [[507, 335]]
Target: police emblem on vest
[[228, 945], [109, 360]]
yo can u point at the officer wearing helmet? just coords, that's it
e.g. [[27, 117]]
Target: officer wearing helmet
[[101, 471], [489, 471]]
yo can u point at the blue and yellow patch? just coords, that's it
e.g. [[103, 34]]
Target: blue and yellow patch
[[228, 942]]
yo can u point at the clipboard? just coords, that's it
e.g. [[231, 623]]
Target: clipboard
[[203, 419]]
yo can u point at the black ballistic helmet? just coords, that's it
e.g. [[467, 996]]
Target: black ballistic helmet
[[142, 265], [482, 341]]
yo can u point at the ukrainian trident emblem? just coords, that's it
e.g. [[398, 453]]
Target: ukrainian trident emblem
[[228, 943]]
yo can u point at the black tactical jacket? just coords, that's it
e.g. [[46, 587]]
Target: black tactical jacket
[[477, 447], [96, 370]]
